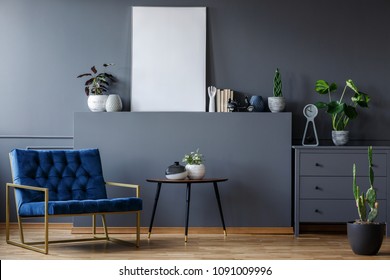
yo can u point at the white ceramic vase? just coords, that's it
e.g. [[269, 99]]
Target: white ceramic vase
[[196, 171], [97, 103], [114, 103]]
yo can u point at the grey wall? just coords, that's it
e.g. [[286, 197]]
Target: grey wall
[[45, 44], [139, 145]]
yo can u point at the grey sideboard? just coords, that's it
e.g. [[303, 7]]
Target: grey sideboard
[[252, 150], [323, 183]]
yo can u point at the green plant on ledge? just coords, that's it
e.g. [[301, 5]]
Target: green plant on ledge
[[369, 198], [99, 82], [341, 111]]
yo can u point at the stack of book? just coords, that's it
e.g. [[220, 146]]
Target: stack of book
[[223, 96]]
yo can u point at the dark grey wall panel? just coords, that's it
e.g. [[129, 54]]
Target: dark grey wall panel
[[253, 150], [46, 43]]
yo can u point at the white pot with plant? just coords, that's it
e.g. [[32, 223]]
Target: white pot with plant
[[96, 86], [194, 165], [340, 111], [277, 103]]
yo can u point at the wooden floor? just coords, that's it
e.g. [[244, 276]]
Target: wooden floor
[[198, 247]]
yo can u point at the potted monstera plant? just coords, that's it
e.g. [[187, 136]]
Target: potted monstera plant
[[341, 111], [365, 235], [96, 86]]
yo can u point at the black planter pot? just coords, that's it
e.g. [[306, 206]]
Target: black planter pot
[[365, 239]]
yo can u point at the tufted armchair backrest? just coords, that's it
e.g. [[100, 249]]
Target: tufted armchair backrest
[[68, 174]]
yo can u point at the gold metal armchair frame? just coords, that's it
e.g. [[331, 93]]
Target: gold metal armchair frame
[[46, 242]]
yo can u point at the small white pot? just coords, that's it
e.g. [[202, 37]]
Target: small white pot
[[196, 171], [276, 104], [114, 103], [340, 137], [97, 103]]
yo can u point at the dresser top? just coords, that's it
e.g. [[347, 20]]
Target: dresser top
[[340, 147]]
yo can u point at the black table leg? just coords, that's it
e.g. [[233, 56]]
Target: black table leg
[[188, 198], [154, 208], [219, 206]]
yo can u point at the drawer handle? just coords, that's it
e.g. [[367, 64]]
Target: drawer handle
[[317, 211], [318, 164], [318, 188]]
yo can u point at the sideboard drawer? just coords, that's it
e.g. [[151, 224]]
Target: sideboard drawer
[[335, 211], [338, 187], [339, 164]]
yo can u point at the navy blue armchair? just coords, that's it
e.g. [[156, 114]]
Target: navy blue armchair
[[50, 183]]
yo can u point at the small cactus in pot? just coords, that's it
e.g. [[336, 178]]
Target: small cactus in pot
[[362, 200], [364, 235]]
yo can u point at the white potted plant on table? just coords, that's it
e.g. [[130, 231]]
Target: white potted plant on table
[[194, 165], [96, 86]]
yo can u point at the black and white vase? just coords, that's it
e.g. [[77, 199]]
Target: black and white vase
[[176, 172]]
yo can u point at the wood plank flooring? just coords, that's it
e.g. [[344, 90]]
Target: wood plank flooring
[[199, 247]]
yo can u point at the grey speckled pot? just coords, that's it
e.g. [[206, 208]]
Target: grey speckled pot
[[276, 104], [340, 138]]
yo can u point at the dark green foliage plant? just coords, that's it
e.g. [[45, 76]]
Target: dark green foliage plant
[[99, 82], [342, 112]]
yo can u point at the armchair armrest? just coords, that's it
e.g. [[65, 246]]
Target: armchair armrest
[[11, 185], [136, 187]]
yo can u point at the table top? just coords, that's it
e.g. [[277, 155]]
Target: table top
[[172, 181]]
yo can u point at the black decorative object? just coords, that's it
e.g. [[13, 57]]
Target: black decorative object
[[176, 171], [234, 106]]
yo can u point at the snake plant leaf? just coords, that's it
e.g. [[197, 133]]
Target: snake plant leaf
[[321, 105], [352, 86], [335, 107], [350, 111]]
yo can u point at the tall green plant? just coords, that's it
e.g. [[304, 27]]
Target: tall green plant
[[369, 198], [341, 111], [277, 84]]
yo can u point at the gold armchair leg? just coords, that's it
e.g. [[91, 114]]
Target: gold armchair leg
[[105, 226]]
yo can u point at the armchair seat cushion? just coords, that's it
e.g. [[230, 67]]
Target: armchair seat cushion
[[86, 206]]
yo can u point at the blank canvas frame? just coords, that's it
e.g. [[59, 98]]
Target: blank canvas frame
[[168, 59]]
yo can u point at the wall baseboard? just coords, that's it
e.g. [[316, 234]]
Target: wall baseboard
[[160, 230]]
